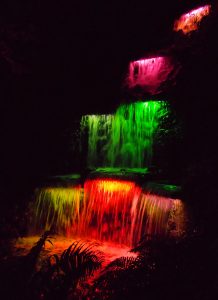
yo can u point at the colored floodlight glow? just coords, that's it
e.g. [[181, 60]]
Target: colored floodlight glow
[[149, 73], [125, 139], [190, 21], [133, 133], [109, 210], [118, 211], [98, 128], [57, 208], [114, 186], [155, 214]]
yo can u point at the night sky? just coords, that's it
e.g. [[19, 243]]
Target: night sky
[[62, 59]]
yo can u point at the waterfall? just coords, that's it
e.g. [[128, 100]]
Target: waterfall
[[149, 73], [156, 216], [133, 133], [116, 211], [190, 21], [57, 208], [126, 138], [98, 129], [107, 214], [108, 209]]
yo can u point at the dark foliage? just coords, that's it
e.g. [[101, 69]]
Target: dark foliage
[[164, 269], [58, 278], [16, 273], [63, 277]]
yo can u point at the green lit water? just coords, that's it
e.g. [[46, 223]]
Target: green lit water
[[125, 139], [122, 170], [99, 130], [133, 132]]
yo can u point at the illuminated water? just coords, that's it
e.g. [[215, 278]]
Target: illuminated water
[[57, 208], [126, 138], [133, 133], [149, 73], [190, 21], [108, 210], [98, 129]]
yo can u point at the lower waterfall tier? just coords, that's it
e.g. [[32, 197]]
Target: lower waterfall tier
[[107, 209]]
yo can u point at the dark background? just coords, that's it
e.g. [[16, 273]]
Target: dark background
[[62, 59]]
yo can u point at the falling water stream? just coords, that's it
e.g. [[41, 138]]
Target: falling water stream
[[149, 73], [133, 133], [99, 130], [57, 208], [116, 211], [126, 138], [105, 208]]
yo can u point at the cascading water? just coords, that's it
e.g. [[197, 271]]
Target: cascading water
[[150, 73], [107, 214], [110, 210], [155, 215], [57, 208], [107, 208], [133, 133], [126, 138], [119, 211], [98, 129], [190, 21]]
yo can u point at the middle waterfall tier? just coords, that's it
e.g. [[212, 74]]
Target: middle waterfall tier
[[125, 139]]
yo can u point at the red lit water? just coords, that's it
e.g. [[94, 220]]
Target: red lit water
[[149, 73], [108, 210]]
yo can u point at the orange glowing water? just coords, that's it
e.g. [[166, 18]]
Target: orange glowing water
[[111, 251], [191, 20]]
